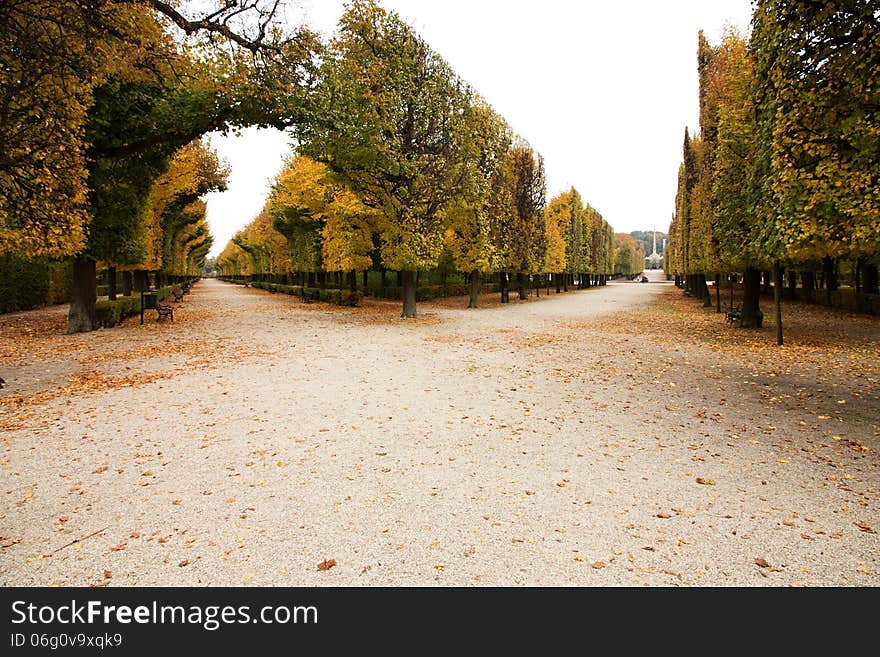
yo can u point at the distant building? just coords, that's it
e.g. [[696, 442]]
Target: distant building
[[655, 260]]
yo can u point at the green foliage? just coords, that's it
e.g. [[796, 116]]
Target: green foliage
[[27, 283], [111, 313], [389, 125]]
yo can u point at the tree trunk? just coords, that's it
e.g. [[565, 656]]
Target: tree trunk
[[126, 283], [475, 289], [752, 317], [399, 278], [310, 279], [505, 288], [521, 284], [366, 280], [83, 296], [830, 276], [322, 280], [559, 280], [537, 283], [408, 278], [808, 282], [732, 278], [792, 285], [717, 293], [857, 274], [353, 281], [871, 278], [140, 280], [777, 300], [704, 292], [111, 283]]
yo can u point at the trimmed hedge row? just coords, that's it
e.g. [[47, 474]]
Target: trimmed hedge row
[[27, 283], [336, 297], [427, 292], [348, 298], [111, 313]]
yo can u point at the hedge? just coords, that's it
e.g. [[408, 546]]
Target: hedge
[[111, 313], [336, 297], [27, 283]]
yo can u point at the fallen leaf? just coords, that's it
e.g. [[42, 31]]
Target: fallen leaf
[[327, 564], [705, 482], [118, 548], [663, 515], [184, 562], [762, 563], [865, 527], [108, 574], [598, 564]]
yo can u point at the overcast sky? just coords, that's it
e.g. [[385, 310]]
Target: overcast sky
[[602, 89]]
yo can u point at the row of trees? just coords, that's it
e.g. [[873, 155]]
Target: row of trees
[[401, 165], [783, 175], [104, 103]]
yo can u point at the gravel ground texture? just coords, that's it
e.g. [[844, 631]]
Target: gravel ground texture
[[621, 435]]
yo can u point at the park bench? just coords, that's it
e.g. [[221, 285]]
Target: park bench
[[308, 297], [164, 311], [178, 296], [734, 314], [185, 288]]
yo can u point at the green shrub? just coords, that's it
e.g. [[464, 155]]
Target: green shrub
[[351, 299]]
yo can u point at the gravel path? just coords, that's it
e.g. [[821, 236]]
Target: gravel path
[[566, 441]]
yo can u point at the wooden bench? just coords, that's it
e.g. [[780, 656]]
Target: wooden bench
[[734, 314], [308, 297], [178, 296], [164, 311]]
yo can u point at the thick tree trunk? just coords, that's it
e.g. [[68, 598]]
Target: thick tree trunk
[[777, 300], [475, 289], [704, 292], [521, 284], [829, 273], [505, 287], [111, 283], [792, 284], [126, 283], [353, 281], [871, 278], [808, 282], [717, 293], [752, 317], [408, 278], [141, 281], [83, 295]]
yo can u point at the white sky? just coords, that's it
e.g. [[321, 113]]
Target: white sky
[[602, 89]]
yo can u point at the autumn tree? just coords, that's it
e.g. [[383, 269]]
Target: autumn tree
[[529, 193], [389, 113], [819, 103], [469, 217]]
